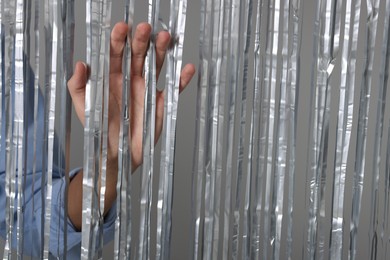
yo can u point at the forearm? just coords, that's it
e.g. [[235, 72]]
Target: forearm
[[75, 193]]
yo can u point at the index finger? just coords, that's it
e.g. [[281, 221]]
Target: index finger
[[117, 44]]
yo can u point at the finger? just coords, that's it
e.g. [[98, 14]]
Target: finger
[[186, 75], [159, 114], [162, 42], [139, 48], [117, 44], [76, 86]]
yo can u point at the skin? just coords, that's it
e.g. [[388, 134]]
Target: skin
[[77, 87]]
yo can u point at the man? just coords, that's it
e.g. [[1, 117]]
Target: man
[[77, 86]]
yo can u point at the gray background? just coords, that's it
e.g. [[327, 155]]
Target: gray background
[[186, 132]]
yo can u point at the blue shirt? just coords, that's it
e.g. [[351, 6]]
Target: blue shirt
[[33, 202]]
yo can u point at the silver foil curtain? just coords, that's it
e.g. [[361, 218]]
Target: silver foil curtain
[[291, 146]]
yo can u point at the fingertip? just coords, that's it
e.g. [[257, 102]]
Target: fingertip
[[188, 72], [144, 29], [186, 75], [83, 70], [79, 77], [119, 32], [163, 39], [190, 68], [81, 67]]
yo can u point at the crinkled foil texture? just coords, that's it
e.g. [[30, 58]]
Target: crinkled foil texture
[[292, 128]]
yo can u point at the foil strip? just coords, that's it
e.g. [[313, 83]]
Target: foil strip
[[51, 26], [200, 132], [1, 71], [105, 65], [62, 108], [295, 14], [234, 61], [380, 99], [334, 24], [246, 14], [327, 50], [254, 171], [68, 24], [162, 248], [161, 244], [97, 214], [213, 157], [281, 139], [221, 77], [37, 69], [148, 136], [386, 222], [208, 178], [93, 104], [361, 138], [271, 68], [19, 123], [122, 241], [344, 124], [311, 166], [27, 11], [10, 159], [251, 230], [177, 27]]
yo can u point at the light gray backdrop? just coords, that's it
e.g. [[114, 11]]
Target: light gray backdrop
[[186, 127]]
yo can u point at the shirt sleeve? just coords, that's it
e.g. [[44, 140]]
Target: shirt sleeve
[[58, 225]]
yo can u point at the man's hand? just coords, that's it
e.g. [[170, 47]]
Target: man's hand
[[77, 86]]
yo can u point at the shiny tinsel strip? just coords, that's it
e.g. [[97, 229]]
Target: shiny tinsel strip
[[311, 159], [63, 100], [361, 138], [37, 69], [269, 101], [295, 14], [97, 210], [201, 132], [386, 222], [333, 24], [27, 11], [9, 15], [101, 88], [19, 122], [51, 27], [148, 136], [380, 100], [257, 125], [214, 139], [93, 100], [281, 139], [1, 71], [122, 240], [103, 124], [177, 27], [221, 77], [344, 124], [27, 90], [328, 13], [232, 81], [246, 14], [68, 23], [61, 106]]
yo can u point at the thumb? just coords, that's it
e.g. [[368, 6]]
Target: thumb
[[76, 86]]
